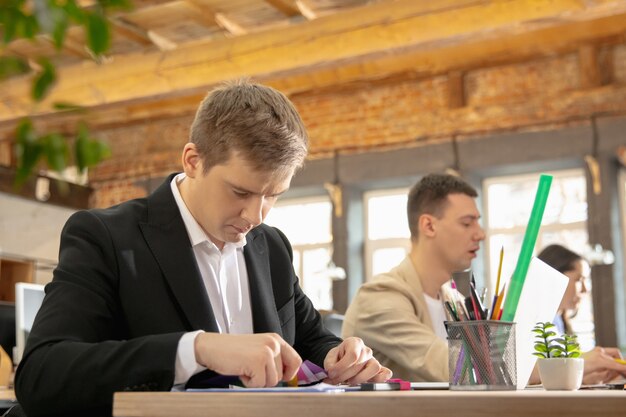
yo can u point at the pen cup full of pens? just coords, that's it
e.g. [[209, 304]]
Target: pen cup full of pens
[[482, 355]]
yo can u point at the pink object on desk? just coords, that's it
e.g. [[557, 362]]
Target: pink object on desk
[[404, 385]]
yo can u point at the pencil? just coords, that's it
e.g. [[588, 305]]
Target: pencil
[[497, 309], [499, 270], [495, 294]]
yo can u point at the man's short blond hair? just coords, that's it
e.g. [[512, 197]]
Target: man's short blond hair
[[258, 122]]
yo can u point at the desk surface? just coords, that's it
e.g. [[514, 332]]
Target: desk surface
[[536, 403]]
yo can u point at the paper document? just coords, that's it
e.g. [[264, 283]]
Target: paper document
[[539, 301], [321, 387]]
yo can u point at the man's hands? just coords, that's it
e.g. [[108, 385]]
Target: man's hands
[[259, 360], [352, 362], [262, 360], [600, 365]]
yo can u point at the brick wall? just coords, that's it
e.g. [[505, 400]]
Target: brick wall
[[534, 94]]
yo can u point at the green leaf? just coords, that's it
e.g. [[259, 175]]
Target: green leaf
[[55, 147], [540, 355], [89, 152], [64, 105], [115, 4], [30, 27], [61, 24], [74, 11], [12, 65], [540, 347], [28, 150], [10, 21], [98, 36], [44, 81]]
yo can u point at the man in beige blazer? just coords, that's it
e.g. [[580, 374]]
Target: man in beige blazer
[[399, 314]]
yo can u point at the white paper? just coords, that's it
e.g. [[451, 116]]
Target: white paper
[[539, 300]]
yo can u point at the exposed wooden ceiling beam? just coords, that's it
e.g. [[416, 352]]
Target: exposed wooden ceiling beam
[[306, 9], [130, 31], [229, 24], [314, 9], [373, 41], [287, 7]]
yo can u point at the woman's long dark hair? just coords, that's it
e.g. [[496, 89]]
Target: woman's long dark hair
[[563, 260], [559, 257]]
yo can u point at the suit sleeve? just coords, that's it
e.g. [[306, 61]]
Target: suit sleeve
[[78, 352], [384, 317]]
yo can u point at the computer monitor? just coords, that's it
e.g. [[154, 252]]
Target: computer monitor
[[28, 299]]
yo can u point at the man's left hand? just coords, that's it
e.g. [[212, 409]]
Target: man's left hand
[[352, 362]]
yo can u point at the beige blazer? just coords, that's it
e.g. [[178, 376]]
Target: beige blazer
[[390, 314]]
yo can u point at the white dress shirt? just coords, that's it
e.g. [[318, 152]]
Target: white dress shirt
[[225, 278]]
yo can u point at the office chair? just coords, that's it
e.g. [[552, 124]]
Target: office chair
[[7, 326], [333, 322]]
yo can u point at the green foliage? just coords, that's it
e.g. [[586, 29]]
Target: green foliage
[[11, 66], [53, 149], [548, 345], [98, 36], [25, 19], [28, 150], [89, 152], [44, 80]]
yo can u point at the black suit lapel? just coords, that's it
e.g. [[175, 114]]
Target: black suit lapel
[[167, 237], [264, 314]]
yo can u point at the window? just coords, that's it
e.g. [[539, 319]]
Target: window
[[387, 231], [508, 201], [307, 225]]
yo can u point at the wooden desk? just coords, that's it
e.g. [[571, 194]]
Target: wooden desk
[[535, 403]]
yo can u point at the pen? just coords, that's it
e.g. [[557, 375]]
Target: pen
[[451, 311], [380, 386], [391, 385], [619, 360]]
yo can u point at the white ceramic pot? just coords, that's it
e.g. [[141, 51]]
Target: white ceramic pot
[[561, 373]]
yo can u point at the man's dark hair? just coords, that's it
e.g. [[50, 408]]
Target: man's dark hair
[[430, 196]]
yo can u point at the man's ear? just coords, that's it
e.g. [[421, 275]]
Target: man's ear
[[192, 162], [426, 223]]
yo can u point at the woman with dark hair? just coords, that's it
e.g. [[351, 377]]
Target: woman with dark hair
[[600, 364]]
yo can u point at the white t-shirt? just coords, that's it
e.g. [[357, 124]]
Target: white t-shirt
[[437, 316]]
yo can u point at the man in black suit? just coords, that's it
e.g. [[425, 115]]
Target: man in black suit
[[157, 293]]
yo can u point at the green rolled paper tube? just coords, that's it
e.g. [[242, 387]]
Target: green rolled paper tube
[[526, 253]]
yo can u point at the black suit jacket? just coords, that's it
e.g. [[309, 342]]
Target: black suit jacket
[[126, 289]]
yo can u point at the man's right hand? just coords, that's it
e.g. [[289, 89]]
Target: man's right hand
[[259, 360]]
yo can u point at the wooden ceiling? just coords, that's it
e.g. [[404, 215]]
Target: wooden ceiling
[[166, 54]]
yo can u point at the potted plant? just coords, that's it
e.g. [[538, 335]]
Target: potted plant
[[560, 364]]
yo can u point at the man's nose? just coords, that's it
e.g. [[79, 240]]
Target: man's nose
[[253, 211], [480, 234]]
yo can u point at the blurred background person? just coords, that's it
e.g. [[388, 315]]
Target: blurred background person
[[600, 363]]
